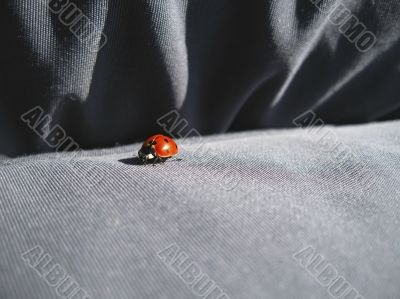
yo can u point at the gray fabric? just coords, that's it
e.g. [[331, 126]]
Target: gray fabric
[[227, 65], [290, 192]]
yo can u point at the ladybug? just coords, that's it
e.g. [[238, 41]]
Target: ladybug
[[157, 148]]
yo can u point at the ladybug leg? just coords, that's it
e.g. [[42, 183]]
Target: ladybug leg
[[156, 159]]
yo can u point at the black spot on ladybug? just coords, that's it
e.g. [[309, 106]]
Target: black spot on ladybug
[[166, 140], [167, 151]]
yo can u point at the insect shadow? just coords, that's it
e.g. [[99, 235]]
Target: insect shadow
[[137, 161], [131, 161]]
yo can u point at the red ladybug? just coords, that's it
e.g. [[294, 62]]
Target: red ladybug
[[157, 148]]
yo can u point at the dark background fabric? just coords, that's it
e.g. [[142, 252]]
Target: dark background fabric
[[225, 65]]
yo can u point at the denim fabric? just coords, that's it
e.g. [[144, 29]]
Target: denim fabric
[[240, 206]]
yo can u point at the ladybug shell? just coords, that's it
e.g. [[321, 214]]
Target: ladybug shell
[[164, 146]]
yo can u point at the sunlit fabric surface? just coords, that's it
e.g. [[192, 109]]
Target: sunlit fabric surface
[[240, 210], [225, 64]]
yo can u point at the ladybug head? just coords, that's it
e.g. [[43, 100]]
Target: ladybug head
[[147, 152]]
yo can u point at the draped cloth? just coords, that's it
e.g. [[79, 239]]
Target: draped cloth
[[106, 70]]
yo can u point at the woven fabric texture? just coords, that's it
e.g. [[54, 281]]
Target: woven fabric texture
[[240, 207]]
